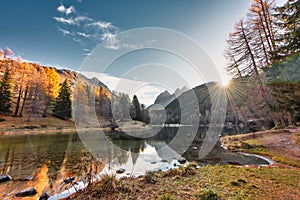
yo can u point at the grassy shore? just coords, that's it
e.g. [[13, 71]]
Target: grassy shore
[[282, 146], [210, 182], [21, 126]]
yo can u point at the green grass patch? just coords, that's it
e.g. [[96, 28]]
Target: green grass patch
[[30, 127], [272, 155], [208, 195]]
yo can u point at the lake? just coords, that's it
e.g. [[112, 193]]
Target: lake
[[45, 161]]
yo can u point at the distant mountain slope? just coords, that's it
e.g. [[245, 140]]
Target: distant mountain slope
[[175, 111], [165, 97]]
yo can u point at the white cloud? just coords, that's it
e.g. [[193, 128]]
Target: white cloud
[[86, 30], [101, 24], [69, 21], [65, 10], [83, 34], [64, 31]]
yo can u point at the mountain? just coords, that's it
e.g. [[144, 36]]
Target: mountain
[[126, 85], [185, 108], [165, 97]]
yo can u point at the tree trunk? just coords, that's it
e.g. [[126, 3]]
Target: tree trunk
[[18, 102], [24, 100]]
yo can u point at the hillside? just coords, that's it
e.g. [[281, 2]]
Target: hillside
[[34, 89]]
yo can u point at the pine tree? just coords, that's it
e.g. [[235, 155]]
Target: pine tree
[[62, 108], [5, 92], [288, 21], [136, 109]]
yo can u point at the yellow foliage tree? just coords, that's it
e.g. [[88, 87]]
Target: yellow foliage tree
[[53, 82]]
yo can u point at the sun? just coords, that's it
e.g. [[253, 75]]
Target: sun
[[225, 82]]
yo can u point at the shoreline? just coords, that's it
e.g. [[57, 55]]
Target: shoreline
[[281, 146]]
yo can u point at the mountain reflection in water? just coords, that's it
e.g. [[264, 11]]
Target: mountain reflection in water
[[50, 159]]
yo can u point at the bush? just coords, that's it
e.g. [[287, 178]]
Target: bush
[[2, 119], [107, 184], [150, 177], [165, 197], [208, 195], [189, 170], [30, 127]]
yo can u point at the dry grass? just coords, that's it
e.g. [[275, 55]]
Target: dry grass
[[211, 182]]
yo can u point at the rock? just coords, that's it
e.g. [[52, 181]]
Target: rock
[[27, 192], [151, 180], [69, 180], [4, 178], [153, 163], [182, 161], [44, 196], [29, 178], [120, 171], [164, 161]]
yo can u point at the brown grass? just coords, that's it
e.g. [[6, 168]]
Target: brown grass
[[222, 182]]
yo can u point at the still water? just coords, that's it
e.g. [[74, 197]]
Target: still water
[[45, 161]]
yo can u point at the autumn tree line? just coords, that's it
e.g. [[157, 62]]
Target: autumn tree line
[[263, 57], [32, 91]]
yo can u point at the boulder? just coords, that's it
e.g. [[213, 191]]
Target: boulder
[[4, 178], [44, 196], [120, 171], [29, 178], [182, 161], [26, 192], [69, 180]]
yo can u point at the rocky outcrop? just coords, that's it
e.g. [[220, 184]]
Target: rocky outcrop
[[26, 192], [4, 178]]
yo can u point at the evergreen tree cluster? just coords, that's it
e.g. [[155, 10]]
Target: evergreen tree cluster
[[62, 108], [5, 92]]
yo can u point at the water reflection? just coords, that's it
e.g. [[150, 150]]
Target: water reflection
[[52, 158]]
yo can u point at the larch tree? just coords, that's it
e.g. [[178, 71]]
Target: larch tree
[[241, 53], [52, 88], [262, 24], [63, 107], [21, 80], [80, 103], [36, 102]]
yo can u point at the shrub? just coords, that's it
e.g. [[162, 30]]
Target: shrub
[[165, 197], [107, 184], [208, 195], [189, 170], [30, 127], [150, 177], [2, 119]]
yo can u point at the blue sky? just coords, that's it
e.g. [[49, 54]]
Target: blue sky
[[30, 30], [62, 33]]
